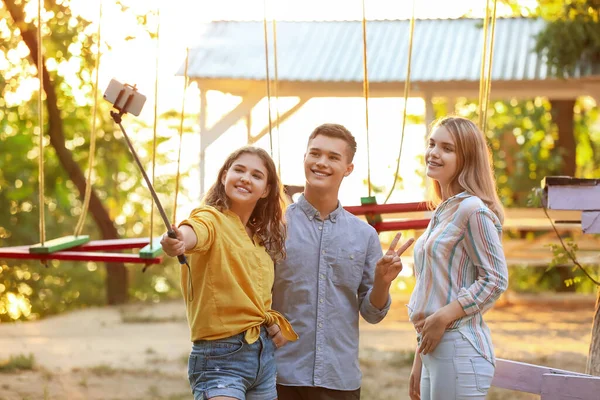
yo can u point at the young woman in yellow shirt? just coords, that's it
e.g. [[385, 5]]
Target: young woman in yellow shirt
[[233, 240]]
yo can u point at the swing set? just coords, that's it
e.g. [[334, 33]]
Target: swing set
[[78, 247], [369, 208]]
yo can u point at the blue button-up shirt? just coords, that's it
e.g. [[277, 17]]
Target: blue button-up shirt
[[321, 286]]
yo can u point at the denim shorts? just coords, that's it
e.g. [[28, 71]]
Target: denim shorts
[[231, 367]]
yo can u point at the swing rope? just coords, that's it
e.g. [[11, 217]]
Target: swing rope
[[41, 177], [483, 63], [91, 158], [488, 87], [268, 77], [155, 122], [406, 92], [185, 85], [276, 92], [487, 57], [366, 93]]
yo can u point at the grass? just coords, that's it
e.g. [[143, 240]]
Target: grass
[[46, 374], [185, 358], [103, 370], [156, 359], [154, 392], [402, 359], [19, 362]]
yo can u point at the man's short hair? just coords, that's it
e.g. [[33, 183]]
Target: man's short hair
[[339, 132]]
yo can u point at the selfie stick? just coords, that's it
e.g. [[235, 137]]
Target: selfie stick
[[117, 118]]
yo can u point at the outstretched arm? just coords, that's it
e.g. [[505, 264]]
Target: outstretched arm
[[185, 241]]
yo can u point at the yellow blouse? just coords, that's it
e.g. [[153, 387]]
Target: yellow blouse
[[232, 280]]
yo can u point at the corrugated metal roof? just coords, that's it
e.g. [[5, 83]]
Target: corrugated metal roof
[[443, 50]]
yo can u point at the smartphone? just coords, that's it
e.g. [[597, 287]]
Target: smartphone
[[124, 97]]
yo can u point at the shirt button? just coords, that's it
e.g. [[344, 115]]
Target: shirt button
[[320, 228], [323, 252], [322, 276], [352, 257], [319, 348], [320, 300], [320, 324]]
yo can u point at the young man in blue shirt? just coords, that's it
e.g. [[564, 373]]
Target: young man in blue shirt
[[334, 271]]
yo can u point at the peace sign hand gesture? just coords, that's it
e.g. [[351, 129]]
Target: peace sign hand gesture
[[389, 266]]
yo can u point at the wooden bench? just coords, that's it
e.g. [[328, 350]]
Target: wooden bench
[[549, 383]]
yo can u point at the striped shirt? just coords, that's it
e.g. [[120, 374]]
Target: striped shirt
[[460, 257]]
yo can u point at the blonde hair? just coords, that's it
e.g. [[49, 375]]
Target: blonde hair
[[474, 172]]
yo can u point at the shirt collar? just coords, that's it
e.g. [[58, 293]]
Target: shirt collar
[[461, 195], [312, 213], [443, 205]]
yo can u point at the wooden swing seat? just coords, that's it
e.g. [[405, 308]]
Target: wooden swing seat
[[95, 250]]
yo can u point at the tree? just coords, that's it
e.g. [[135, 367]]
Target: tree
[[117, 278], [571, 39], [69, 42], [571, 44]]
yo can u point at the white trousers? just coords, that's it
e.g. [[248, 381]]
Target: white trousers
[[455, 370]]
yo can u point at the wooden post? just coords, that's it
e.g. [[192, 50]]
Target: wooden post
[[283, 117], [563, 117], [249, 128], [429, 113]]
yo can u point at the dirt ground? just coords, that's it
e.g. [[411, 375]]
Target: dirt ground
[[140, 351]]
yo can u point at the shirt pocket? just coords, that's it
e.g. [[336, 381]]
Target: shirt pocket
[[346, 269], [442, 241]]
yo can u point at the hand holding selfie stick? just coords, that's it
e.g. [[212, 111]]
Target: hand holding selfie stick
[[125, 98]]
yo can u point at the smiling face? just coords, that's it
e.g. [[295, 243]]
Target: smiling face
[[441, 157], [245, 181], [326, 163]]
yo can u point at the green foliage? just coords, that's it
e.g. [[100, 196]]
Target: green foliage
[[103, 370], [563, 255], [571, 40], [27, 289], [521, 137], [19, 362]]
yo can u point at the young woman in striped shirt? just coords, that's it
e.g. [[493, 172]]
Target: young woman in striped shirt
[[460, 268]]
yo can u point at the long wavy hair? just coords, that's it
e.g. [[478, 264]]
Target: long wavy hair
[[267, 218], [474, 172]]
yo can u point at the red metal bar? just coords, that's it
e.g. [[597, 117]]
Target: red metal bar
[[113, 244], [22, 253], [401, 225], [387, 208]]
